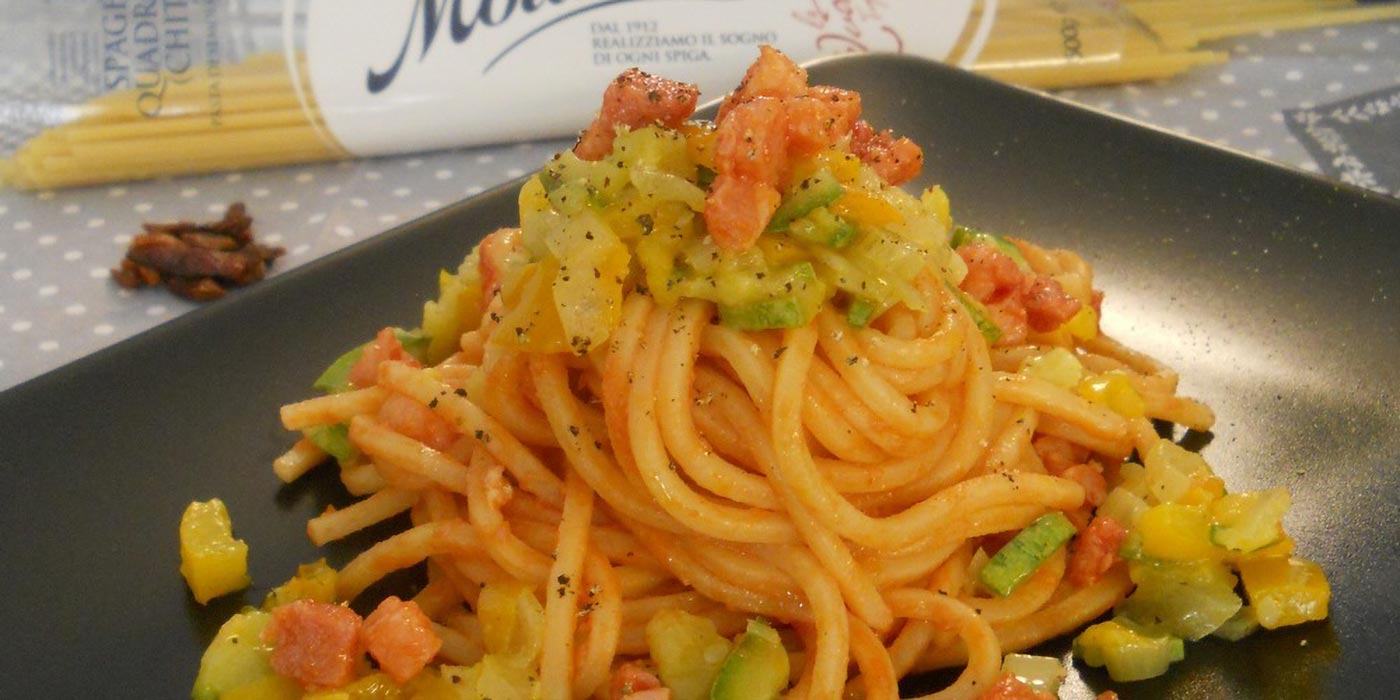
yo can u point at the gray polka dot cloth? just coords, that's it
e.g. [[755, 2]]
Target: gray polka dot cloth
[[58, 302]]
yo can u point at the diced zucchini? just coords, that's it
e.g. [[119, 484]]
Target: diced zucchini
[[688, 652], [1042, 673], [1016, 561], [991, 332], [818, 190], [860, 313], [1132, 547], [1123, 505], [1127, 652], [236, 657], [1058, 366], [336, 377], [211, 560], [801, 296], [963, 235], [1187, 600], [1245, 522], [1172, 471], [821, 227], [1241, 625], [787, 312], [494, 677], [1285, 590], [334, 440], [757, 667]]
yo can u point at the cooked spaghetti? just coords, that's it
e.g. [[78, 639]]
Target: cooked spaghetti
[[730, 411]]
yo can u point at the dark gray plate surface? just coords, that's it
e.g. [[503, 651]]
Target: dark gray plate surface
[[1271, 291]]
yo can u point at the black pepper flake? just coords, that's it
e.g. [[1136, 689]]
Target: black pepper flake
[[852, 360], [563, 579], [460, 392], [433, 403], [573, 430], [779, 352]]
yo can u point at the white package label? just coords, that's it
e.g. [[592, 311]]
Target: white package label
[[391, 76]]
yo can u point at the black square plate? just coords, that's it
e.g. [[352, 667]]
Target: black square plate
[[1272, 292]]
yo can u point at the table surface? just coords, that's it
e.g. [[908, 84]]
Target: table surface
[[58, 302]]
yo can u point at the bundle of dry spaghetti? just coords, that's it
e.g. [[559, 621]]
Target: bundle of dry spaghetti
[[1056, 44], [836, 481], [241, 116], [257, 113]]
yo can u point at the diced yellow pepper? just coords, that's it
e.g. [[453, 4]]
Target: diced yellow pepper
[[1282, 548], [845, 166], [1113, 390], [212, 562], [265, 688], [1205, 490], [861, 208], [512, 621], [699, 143], [533, 324], [314, 581], [1285, 590], [1084, 324], [375, 686], [1177, 532], [430, 684]]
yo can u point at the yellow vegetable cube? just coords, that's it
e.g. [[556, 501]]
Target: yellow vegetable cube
[[845, 166], [699, 143], [212, 562], [1059, 366], [1285, 590], [1205, 490], [512, 621], [1084, 324], [863, 209], [265, 688], [1177, 532], [1113, 390], [315, 581], [937, 202]]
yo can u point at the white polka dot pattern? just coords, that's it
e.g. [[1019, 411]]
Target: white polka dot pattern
[[1239, 104]]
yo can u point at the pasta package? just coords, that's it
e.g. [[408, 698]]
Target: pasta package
[[130, 89], [731, 414]]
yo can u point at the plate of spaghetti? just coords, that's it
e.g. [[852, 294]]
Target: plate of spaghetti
[[878, 381]]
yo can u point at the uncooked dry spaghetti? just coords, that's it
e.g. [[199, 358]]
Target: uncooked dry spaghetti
[[729, 413]]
